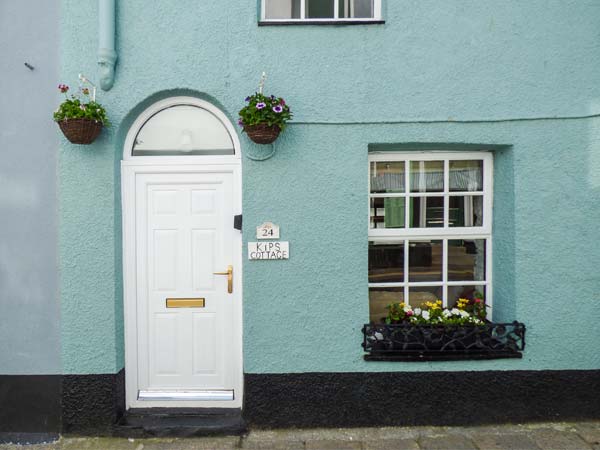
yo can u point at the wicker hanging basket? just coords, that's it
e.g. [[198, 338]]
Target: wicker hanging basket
[[262, 133], [80, 131]]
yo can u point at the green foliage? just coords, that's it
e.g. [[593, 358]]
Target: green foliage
[[466, 312], [80, 108], [265, 110]]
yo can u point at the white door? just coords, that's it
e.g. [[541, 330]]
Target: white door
[[187, 302]]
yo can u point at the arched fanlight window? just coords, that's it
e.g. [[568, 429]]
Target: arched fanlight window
[[183, 129]]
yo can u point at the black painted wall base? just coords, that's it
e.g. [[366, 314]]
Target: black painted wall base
[[419, 398], [35, 408], [39, 407], [92, 404]]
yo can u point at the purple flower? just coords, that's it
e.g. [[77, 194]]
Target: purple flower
[[260, 105], [247, 99], [240, 122], [277, 109], [63, 88]]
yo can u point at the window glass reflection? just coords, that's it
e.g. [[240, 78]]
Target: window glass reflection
[[427, 176], [379, 298], [466, 260], [183, 130], [386, 262], [387, 212], [425, 261]]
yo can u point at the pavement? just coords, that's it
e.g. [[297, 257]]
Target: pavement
[[547, 436]]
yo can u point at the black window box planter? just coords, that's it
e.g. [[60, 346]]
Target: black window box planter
[[407, 342]]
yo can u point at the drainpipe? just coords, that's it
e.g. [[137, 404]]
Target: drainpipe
[[107, 56]]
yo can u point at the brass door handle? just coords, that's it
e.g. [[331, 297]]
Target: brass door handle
[[229, 274]]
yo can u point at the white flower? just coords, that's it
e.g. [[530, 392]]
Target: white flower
[[446, 313], [455, 311], [417, 311], [407, 308], [464, 314], [425, 315]]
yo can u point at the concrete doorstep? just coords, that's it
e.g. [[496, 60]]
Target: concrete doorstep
[[546, 436]]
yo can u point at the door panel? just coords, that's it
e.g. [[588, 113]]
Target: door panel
[[184, 233]]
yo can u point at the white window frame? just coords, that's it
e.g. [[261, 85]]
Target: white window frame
[[336, 11], [444, 233]]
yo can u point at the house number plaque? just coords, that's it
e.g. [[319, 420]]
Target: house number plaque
[[267, 230]]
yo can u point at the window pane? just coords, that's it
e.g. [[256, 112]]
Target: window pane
[[427, 176], [282, 9], [387, 212], [466, 211], [417, 296], [426, 212], [468, 292], [356, 9], [466, 176], [387, 177], [425, 261], [386, 262], [379, 298], [466, 260], [183, 130], [319, 9]]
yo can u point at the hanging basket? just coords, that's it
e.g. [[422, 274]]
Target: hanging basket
[[80, 131], [262, 133]]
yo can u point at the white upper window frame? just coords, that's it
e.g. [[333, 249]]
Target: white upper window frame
[[377, 16], [446, 232], [437, 156]]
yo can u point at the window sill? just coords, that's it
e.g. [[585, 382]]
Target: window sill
[[268, 23], [407, 342]]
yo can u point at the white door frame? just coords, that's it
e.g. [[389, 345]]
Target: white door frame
[[131, 166]]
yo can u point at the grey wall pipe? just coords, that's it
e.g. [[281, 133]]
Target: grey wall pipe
[[107, 55]]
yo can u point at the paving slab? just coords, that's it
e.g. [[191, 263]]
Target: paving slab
[[205, 443], [502, 441], [97, 443], [333, 445], [589, 431], [391, 444], [550, 439], [273, 445], [447, 442]]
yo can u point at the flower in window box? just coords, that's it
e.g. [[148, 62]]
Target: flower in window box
[[466, 312]]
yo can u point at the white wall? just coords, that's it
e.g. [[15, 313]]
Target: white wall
[[29, 311]]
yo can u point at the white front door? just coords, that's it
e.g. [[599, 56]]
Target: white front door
[[187, 285]]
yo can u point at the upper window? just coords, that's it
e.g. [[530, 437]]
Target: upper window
[[183, 130], [430, 225], [320, 10]]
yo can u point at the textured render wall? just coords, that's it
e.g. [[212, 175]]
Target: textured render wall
[[431, 61], [29, 322]]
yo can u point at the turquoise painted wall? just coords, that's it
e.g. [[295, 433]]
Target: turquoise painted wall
[[462, 72]]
